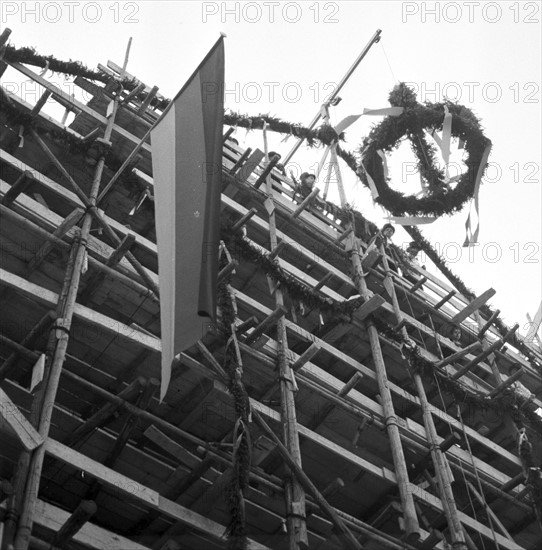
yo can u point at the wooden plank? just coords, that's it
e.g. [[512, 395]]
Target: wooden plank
[[50, 299], [473, 306], [90, 535], [374, 303], [250, 165], [132, 489], [13, 419], [172, 447]]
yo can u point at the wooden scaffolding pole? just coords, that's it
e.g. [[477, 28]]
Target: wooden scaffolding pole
[[294, 493], [62, 326], [439, 458], [412, 527]]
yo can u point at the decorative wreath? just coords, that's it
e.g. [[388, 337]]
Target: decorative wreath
[[440, 197]]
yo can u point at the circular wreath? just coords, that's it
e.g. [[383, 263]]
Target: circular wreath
[[440, 198]]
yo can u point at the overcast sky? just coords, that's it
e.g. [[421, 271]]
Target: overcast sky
[[283, 58]]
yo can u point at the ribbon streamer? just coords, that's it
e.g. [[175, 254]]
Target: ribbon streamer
[[387, 111], [382, 155], [446, 136], [412, 220], [45, 69], [471, 238], [370, 181]]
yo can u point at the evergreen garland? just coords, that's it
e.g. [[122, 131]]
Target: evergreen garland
[[411, 123], [241, 454]]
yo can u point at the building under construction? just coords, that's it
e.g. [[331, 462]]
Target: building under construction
[[328, 408]]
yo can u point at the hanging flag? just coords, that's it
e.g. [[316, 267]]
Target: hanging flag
[[187, 171]]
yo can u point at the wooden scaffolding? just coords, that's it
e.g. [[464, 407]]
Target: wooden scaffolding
[[354, 444]]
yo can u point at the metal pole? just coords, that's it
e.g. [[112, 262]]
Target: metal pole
[[375, 38]]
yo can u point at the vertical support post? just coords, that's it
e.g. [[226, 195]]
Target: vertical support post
[[412, 527], [439, 459], [32, 465], [294, 493]]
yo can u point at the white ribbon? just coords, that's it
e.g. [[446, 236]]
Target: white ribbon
[[372, 186], [387, 111], [382, 155], [471, 237], [45, 69], [412, 220]]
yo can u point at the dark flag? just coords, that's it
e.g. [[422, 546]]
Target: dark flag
[[187, 172]]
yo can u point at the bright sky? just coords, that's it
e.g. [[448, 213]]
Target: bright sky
[[283, 58]]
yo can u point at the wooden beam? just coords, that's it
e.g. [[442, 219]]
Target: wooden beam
[[418, 284], [104, 414], [91, 536], [14, 420], [18, 187], [150, 96], [4, 37], [240, 161], [489, 322], [127, 487], [476, 304], [487, 351], [84, 511], [122, 249], [132, 421], [171, 447], [446, 298], [372, 304], [40, 103], [322, 281], [40, 329], [304, 204], [67, 223], [458, 354], [508, 382], [265, 172], [243, 220], [270, 320], [250, 165], [306, 356]]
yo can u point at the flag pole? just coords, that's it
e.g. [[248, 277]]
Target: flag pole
[[375, 38], [138, 147]]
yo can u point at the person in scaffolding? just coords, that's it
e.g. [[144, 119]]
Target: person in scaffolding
[[305, 187], [372, 256]]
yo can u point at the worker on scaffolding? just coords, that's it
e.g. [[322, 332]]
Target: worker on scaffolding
[[305, 187]]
